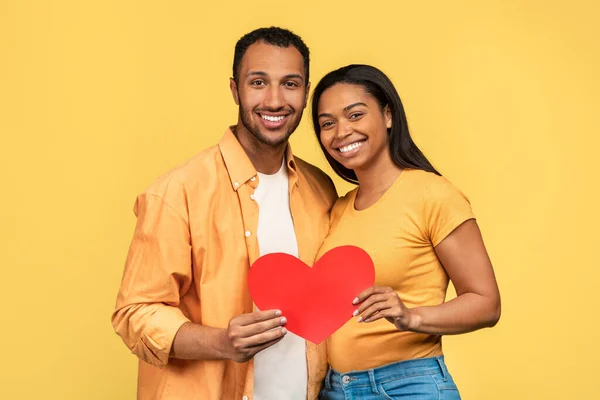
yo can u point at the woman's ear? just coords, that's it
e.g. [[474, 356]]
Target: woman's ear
[[387, 113]]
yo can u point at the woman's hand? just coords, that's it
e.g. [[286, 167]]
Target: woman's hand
[[477, 304], [379, 302]]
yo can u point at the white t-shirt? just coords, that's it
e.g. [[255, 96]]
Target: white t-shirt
[[280, 371]]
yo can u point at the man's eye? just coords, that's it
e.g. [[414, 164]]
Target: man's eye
[[291, 84], [258, 83]]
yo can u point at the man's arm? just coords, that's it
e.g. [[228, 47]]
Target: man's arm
[[157, 273], [246, 335]]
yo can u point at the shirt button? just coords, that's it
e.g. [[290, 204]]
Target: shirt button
[[247, 234], [236, 184], [252, 197], [253, 178]]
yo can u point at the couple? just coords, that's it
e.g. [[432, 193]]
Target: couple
[[183, 307]]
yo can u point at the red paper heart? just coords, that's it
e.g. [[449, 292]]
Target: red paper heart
[[316, 301]]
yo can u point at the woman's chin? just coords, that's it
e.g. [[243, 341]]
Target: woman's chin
[[351, 165]]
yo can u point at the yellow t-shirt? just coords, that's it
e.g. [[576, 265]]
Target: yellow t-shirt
[[399, 232]]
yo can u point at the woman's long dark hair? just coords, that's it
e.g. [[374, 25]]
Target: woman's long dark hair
[[404, 152]]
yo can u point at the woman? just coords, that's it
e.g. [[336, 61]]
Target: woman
[[420, 231]]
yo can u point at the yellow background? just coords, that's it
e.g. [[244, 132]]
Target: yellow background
[[98, 98]]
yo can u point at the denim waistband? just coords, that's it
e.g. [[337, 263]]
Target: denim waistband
[[387, 373]]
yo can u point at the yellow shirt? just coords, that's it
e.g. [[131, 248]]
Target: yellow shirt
[[193, 244], [399, 232]]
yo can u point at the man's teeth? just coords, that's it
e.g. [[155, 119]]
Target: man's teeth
[[272, 119], [352, 146]]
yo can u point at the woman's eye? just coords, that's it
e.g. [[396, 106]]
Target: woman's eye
[[355, 115]]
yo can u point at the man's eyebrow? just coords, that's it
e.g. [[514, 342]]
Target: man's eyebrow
[[258, 73], [351, 106], [294, 76]]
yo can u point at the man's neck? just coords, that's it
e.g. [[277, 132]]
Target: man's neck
[[266, 159]]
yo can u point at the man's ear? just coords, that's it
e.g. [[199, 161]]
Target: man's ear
[[307, 92], [234, 91]]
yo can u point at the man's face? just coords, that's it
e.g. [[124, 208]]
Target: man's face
[[271, 93]]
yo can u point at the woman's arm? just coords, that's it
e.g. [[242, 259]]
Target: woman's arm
[[477, 305]]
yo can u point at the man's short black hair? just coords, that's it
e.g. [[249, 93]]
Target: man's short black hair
[[274, 36]]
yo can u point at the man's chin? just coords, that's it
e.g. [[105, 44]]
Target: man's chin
[[273, 139]]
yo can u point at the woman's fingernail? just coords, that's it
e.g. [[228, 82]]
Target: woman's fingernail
[[359, 319], [277, 313], [284, 331], [283, 320], [355, 313], [355, 300]]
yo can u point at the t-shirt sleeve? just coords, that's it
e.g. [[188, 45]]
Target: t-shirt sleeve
[[444, 209]]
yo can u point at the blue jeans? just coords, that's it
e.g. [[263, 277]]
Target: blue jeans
[[418, 379]]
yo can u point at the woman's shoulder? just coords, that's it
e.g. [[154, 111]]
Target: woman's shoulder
[[434, 189], [428, 183], [421, 178]]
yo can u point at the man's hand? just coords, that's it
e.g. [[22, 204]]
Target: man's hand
[[247, 334]]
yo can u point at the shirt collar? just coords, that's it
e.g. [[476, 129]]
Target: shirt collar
[[239, 166]]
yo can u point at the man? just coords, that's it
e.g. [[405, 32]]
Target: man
[[183, 307]]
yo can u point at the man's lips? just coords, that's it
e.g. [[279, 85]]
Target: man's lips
[[273, 120]]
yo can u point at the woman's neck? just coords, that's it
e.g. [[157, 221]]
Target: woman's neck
[[375, 179]]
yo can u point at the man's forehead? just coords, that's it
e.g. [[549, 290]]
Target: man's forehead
[[273, 61]]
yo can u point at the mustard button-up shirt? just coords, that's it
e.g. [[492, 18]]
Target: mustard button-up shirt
[[193, 245]]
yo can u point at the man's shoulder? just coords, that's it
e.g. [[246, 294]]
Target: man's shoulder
[[316, 178], [205, 161], [195, 170], [310, 170]]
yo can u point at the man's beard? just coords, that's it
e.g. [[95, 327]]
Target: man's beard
[[266, 139]]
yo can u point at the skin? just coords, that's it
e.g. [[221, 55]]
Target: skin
[[348, 115], [271, 83]]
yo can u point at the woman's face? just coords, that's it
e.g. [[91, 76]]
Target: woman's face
[[353, 126]]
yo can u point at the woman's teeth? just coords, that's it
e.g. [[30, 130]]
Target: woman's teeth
[[352, 146]]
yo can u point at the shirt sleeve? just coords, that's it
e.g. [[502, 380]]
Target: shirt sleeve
[[445, 208], [158, 271]]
